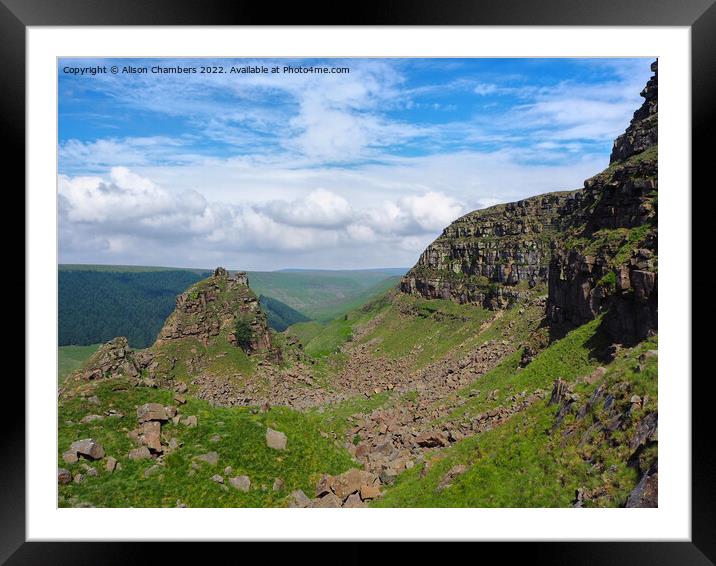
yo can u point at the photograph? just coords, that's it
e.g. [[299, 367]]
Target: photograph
[[426, 282]]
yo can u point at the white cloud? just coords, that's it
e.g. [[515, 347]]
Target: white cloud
[[320, 208], [316, 173], [126, 215], [483, 89]]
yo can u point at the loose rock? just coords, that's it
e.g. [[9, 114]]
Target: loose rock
[[242, 483], [275, 439]]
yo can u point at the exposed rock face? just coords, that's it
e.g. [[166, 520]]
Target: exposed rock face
[[607, 257], [489, 256], [113, 359], [642, 132], [212, 307], [595, 247]]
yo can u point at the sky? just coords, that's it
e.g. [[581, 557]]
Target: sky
[[340, 170]]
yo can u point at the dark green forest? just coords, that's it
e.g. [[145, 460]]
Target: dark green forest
[[280, 316], [96, 306]]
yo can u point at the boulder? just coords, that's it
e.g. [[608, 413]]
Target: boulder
[[353, 502], [210, 458], [89, 448], [141, 453], [63, 476], [432, 440], [329, 500], [645, 430], [151, 435], [190, 421], [70, 457], [275, 439], [278, 484], [351, 482], [111, 464], [151, 412], [369, 492], [217, 478], [299, 499], [242, 483], [324, 485], [451, 474], [90, 418], [646, 492]]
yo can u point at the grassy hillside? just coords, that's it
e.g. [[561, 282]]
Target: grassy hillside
[[237, 435], [531, 462], [71, 358], [408, 326]]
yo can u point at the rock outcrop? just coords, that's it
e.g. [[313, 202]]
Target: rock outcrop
[[113, 359], [596, 247], [206, 317], [212, 307], [490, 256], [606, 260]]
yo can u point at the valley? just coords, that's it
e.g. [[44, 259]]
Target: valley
[[515, 365]]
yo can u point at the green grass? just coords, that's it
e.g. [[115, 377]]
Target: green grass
[[219, 358], [71, 358], [571, 357], [305, 331], [431, 328], [522, 464], [331, 337], [242, 447], [336, 418], [340, 330]]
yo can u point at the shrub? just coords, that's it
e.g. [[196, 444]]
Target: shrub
[[243, 333]]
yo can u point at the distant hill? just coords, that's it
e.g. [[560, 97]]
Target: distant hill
[[323, 294], [99, 302], [95, 306]]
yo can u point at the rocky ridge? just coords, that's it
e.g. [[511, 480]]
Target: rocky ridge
[[607, 259], [211, 307], [595, 248], [490, 256]]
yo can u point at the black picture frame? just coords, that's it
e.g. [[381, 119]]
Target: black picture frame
[[699, 15]]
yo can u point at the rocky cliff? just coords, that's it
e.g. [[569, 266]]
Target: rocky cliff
[[212, 307], [596, 247], [606, 259], [490, 256]]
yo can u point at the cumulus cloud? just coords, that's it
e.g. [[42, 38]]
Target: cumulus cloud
[[125, 214], [320, 208]]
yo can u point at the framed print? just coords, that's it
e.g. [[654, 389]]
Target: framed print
[[395, 281]]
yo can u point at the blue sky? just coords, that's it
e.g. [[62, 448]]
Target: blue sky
[[361, 169]]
